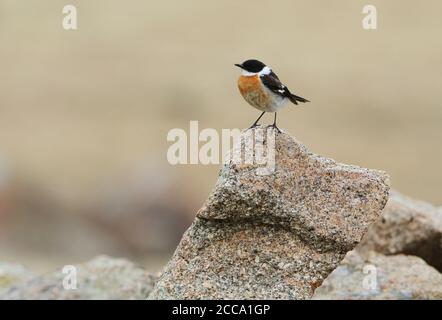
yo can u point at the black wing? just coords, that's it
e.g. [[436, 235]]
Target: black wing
[[271, 81]]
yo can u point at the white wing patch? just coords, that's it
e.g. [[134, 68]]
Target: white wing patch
[[282, 90], [265, 70]]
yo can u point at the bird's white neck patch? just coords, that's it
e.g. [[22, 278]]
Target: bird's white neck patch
[[265, 70]]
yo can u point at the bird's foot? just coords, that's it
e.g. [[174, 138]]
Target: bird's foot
[[274, 127]]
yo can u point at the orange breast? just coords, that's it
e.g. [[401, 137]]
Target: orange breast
[[247, 84], [252, 91]]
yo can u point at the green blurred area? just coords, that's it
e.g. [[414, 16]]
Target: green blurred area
[[84, 114]]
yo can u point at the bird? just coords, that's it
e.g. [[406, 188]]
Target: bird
[[262, 89]]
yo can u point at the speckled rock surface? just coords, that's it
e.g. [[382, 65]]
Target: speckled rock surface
[[407, 226], [395, 277], [13, 274], [274, 236], [100, 278]]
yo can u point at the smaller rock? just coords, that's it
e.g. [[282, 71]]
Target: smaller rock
[[99, 279], [12, 274], [409, 227], [381, 277]]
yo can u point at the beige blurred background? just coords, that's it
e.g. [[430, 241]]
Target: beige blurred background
[[84, 114]]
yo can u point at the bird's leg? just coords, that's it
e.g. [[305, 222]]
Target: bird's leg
[[274, 125], [256, 122]]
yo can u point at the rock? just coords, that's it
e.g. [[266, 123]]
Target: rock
[[404, 245], [12, 274], [100, 278], [407, 226], [381, 277], [273, 234]]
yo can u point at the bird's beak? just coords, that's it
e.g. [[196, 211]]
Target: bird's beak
[[238, 65]]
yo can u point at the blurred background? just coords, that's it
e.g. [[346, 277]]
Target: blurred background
[[84, 114]]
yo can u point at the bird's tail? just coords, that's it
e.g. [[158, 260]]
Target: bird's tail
[[294, 99]]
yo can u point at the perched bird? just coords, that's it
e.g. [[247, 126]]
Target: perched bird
[[261, 88]]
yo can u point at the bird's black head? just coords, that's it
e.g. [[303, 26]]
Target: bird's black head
[[252, 65]]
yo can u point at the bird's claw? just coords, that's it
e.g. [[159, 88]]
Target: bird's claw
[[252, 126], [274, 127]]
